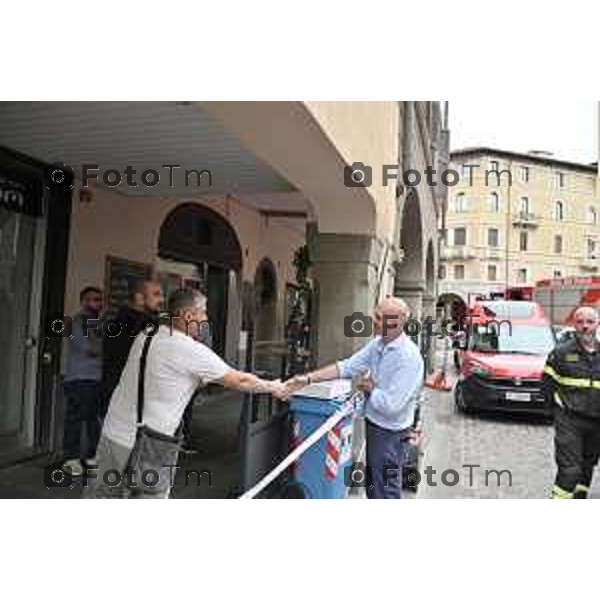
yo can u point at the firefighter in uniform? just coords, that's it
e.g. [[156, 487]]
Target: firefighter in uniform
[[572, 382]]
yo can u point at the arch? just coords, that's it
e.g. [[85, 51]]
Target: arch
[[265, 297], [265, 317], [452, 306], [409, 283], [193, 232], [411, 240]]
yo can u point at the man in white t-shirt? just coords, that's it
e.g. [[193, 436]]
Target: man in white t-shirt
[[176, 364]]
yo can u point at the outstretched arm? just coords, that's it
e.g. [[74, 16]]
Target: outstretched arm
[[247, 382]]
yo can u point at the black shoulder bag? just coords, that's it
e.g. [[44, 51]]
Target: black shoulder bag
[[154, 455]]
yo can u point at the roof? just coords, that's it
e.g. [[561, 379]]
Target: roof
[[523, 156]]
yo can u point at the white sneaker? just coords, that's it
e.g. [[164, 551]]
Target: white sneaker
[[74, 467], [91, 463]]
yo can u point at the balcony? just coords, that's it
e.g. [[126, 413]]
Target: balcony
[[494, 254], [458, 253], [525, 219], [589, 263]]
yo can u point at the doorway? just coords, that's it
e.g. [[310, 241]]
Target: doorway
[[19, 303], [194, 235], [34, 229]]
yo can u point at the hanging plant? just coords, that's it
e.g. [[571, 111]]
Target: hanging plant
[[302, 264]]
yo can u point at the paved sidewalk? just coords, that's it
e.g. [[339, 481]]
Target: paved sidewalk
[[214, 431], [522, 445]]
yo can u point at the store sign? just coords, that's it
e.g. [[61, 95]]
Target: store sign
[[19, 197]]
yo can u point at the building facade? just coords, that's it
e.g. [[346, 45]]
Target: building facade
[[514, 219], [266, 179]]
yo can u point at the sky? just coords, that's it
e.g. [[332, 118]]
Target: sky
[[567, 128]]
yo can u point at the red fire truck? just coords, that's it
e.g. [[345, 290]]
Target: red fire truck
[[561, 297]]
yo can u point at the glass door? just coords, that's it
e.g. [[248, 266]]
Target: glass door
[[21, 275]]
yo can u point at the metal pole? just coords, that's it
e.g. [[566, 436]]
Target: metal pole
[[508, 213]]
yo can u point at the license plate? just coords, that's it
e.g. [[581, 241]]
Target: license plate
[[518, 396]]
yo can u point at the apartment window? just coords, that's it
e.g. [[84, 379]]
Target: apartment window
[[442, 272], [559, 210], [468, 172], [460, 203], [560, 180], [522, 276], [558, 244], [494, 165], [492, 272], [523, 241], [524, 174], [493, 238], [459, 271], [592, 215], [460, 236], [524, 205], [557, 273], [590, 248], [494, 202]]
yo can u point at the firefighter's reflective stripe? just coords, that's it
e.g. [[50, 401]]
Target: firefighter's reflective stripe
[[581, 488], [559, 494], [578, 382], [558, 400]]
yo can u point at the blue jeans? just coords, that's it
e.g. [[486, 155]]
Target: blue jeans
[[386, 451]]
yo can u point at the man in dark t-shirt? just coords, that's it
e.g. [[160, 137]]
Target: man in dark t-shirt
[[141, 310]]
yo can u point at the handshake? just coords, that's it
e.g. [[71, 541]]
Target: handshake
[[284, 390]]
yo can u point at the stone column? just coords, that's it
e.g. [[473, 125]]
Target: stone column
[[412, 293], [429, 301], [345, 270]]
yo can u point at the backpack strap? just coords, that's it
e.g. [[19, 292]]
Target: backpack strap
[[141, 380]]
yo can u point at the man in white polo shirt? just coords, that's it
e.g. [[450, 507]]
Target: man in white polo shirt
[[175, 365]]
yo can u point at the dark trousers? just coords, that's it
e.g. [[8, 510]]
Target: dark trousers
[[84, 401], [386, 451], [577, 450]]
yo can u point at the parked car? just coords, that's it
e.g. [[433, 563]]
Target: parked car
[[502, 358]]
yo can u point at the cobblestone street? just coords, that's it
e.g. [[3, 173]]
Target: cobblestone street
[[520, 445]]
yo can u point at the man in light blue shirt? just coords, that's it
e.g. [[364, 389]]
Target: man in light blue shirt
[[395, 369]]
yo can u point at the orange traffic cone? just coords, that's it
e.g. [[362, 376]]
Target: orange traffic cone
[[438, 382]]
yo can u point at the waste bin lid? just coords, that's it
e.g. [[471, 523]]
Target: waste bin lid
[[326, 390]]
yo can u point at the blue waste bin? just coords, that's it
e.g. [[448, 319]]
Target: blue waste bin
[[319, 472]]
